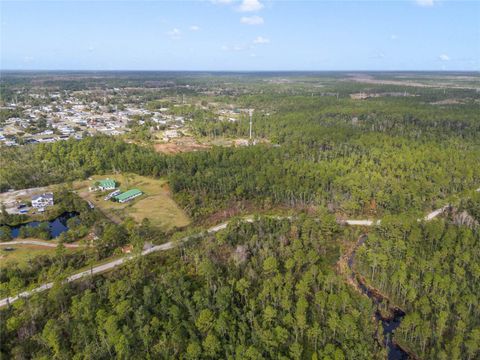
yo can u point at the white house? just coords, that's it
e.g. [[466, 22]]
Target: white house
[[43, 200], [170, 134], [107, 184]]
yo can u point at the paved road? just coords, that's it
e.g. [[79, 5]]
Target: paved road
[[435, 213], [361, 222], [37, 242], [167, 246], [110, 265]]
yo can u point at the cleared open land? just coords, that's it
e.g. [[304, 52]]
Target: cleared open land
[[179, 145], [22, 254], [457, 82], [155, 203]]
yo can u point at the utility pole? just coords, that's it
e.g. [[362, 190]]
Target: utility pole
[[250, 112]]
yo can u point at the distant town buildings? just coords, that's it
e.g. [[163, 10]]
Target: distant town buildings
[[170, 134], [46, 117]]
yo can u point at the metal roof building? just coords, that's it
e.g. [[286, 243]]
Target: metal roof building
[[107, 184], [128, 195]]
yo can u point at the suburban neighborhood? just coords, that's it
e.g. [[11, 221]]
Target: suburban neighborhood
[[36, 117]]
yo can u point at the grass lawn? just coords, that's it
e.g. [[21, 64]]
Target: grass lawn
[[155, 203], [23, 253]]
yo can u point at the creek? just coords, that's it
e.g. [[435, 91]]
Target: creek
[[389, 323]]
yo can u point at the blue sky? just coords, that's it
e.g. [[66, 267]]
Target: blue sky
[[241, 35]]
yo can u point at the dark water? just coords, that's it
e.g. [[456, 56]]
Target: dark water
[[56, 226], [389, 324]]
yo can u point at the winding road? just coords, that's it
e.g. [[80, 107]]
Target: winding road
[[167, 246], [104, 267]]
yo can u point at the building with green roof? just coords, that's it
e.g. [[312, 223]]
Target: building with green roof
[[107, 184], [128, 195]]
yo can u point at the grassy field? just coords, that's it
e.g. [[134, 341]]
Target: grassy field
[[23, 253], [155, 203]]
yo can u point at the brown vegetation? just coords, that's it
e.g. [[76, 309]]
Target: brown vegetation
[[185, 144]]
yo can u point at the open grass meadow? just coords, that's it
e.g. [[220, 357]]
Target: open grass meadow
[[22, 254], [155, 204]]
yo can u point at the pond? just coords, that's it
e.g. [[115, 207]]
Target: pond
[[56, 226]]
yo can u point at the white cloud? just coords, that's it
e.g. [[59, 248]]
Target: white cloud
[[261, 40], [444, 57], [194, 28], [393, 37], [425, 3], [174, 33], [238, 47], [221, 1], [250, 5], [251, 20], [379, 55]]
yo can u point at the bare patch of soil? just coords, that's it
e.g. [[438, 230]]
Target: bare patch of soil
[[184, 144], [448, 102]]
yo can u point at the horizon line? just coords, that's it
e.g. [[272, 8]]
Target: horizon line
[[237, 71]]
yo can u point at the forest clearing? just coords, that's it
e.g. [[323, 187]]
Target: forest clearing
[[155, 204], [21, 254]]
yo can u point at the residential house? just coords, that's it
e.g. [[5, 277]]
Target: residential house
[[127, 249], [43, 200], [107, 184]]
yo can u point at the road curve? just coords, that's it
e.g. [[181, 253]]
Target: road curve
[[428, 217]]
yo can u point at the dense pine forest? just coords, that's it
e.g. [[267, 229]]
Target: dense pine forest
[[262, 290], [272, 287], [355, 170], [432, 272]]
